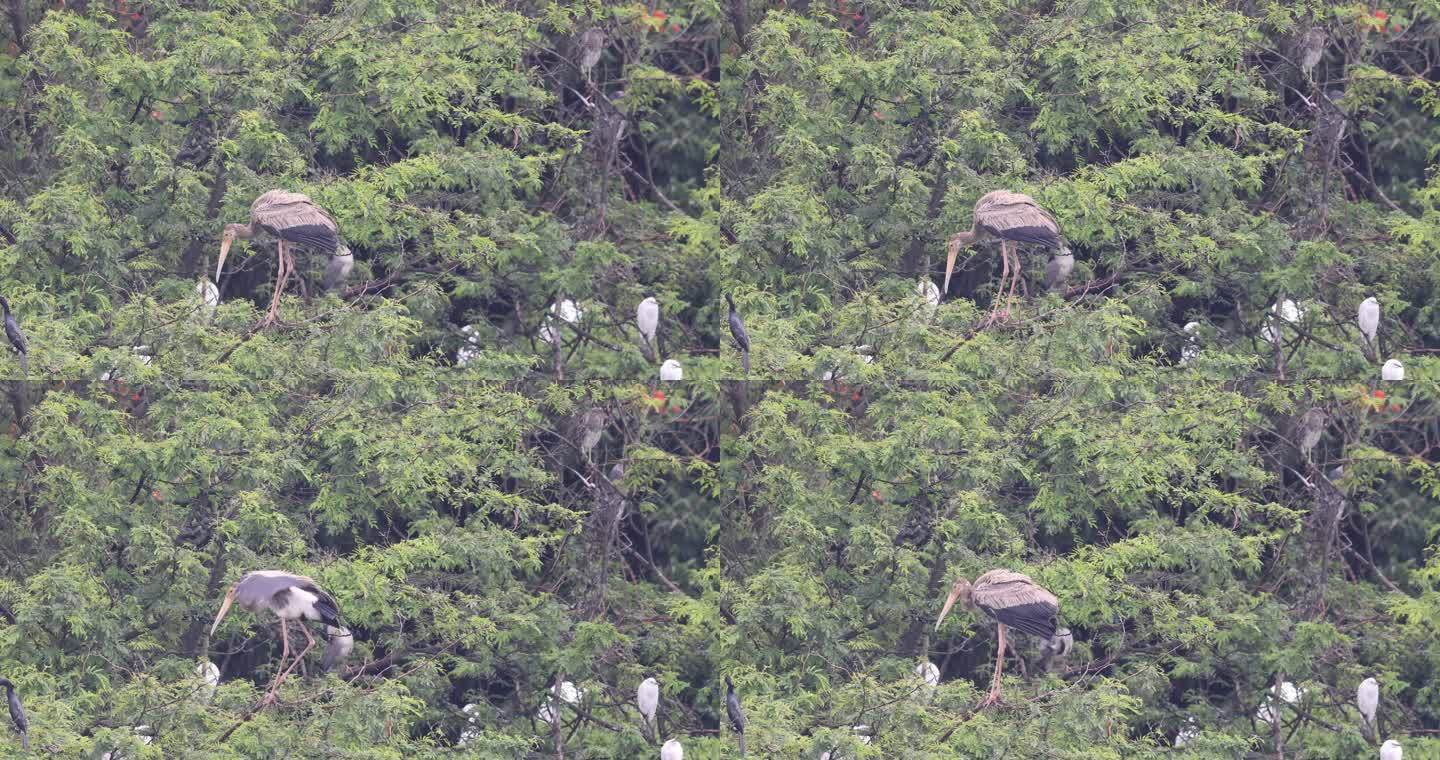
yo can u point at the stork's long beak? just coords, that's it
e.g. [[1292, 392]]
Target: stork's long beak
[[954, 250], [230, 595], [224, 249], [949, 602]]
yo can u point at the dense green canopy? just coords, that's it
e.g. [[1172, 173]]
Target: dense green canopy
[[1203, 553], [154, 452]]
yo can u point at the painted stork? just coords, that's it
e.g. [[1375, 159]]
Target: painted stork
[[290, 597], [17, 713], [17, 338], [1011, 599], [647, 698], [737, 331], [672, 751], [736, 715], [1013, 218], [293, 219]]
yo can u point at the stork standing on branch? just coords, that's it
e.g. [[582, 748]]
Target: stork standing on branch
[[1013, 218], [1011, 599], [293, 219], [290, 597]]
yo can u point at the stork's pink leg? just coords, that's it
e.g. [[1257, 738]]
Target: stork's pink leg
[[994, 697], [284, 653], [1015, 272], [1004, 275], [310, 644]]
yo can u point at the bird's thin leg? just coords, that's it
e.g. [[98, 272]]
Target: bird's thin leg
[[1004, 275], [309, 644], [284, 653], [999, 667], [1015, 278]]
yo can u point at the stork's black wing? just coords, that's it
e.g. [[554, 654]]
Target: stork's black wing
[[1036, 618]]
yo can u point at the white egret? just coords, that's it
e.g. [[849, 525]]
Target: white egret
[[209, 297], [1393, 371], [672, 751], [930, 293], [1367, 698], [1390, 750], [568, 692], [647, 697], [1191, 350], [1288, 693], [1369, 319], [647, 318], [470, 732], [209, 672], [1286, 310], [1188, 732], [671, 371], [929, 672], [567, 311], [468, 352]]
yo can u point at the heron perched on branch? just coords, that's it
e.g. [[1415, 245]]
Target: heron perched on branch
[[1013, 218], [17, 338], [17, 713], [293, 219], [737, 331], [290, 597], [1011, 599], [736, 715]]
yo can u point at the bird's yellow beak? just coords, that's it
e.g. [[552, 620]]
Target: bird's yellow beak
[[954, 251], [955, 592], [224, 249], [229, 596]]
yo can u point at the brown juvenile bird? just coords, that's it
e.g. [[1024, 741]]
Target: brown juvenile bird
[[1011, 599]]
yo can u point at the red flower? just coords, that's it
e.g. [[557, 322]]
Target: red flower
[[1380, 395], [674, 410], [658, 394], [156, 115], [674, 27], [134, 17], [134, 397], [1394, 407], [875, 494], [1381, 15], [659, 14], [1395, 28], [156, 495], [855, 396], [878, 114]]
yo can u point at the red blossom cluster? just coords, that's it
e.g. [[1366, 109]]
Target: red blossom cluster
[[663, 407]]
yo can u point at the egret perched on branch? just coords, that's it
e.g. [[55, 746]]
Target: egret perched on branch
[[671, 371], [293, 219], [672, 751], [647, 698], [470, 732], [930, 292], [1191, 350], [1010, 599], [1058, 645], [1390, 750], [1288, 692], [929, 672], [647, 318], [1393, 371], [737, 331], [568, 692], [1013, 218], [17, 713], [736, 715], [1369, 318], [1367, 698], [209, 296], [1188, 732], [470, 350], [290, 597], [209, 672], [1287, 311], [17, 338]]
